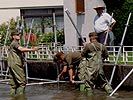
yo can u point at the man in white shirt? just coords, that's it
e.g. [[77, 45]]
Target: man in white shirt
[[103, 23]]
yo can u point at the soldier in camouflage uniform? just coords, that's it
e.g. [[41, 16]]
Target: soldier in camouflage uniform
[[16, 64], [70, 61], [91, 68]]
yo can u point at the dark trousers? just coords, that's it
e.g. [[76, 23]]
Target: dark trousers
[[101, 38]]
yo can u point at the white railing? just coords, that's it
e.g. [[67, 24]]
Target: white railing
[[47, 52]]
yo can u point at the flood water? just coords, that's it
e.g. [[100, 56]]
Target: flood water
[[66, 92]]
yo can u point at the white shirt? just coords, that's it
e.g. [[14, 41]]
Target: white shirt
[[102, 23]]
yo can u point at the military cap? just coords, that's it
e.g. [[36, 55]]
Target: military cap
[[92, 34], [57, 56], [14, 32]]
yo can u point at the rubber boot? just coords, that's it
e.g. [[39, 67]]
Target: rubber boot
[[89, 92], [21, 90], [12, 91], [82, 87], [108, 89]]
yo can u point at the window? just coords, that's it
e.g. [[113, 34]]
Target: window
[[43, 18]]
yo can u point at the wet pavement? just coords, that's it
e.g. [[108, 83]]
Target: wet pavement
[[66, 92]]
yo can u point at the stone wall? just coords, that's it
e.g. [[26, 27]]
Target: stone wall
[[48, 70], [120, 73]]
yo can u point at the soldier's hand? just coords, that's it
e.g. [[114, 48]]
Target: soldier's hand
[[35, 49], [84, 44], [59, 76], [72, 82]]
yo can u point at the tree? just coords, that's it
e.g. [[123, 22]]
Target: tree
[[4, 29], [121, 10]]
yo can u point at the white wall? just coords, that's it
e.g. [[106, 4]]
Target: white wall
[[6, 15], [29, 3], [10, 8], [84, 22], [70, 33]]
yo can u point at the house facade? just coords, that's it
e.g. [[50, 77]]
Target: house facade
[[41, 11], [81, 12]]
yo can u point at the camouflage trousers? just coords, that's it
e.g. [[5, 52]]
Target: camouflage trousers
[[91, 74]]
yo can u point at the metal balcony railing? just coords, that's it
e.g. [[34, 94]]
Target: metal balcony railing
[[47, 52]]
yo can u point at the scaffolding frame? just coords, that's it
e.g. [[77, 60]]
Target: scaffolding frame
[[4, 73]]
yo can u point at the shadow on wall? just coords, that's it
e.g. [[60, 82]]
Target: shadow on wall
[[42, 69], [120, 73]]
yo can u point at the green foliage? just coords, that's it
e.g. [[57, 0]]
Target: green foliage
[[121, 10], [49, 37], [60, 36], [41, 37], [5, 29]]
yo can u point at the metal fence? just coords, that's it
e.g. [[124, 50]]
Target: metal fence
[[47, 52]]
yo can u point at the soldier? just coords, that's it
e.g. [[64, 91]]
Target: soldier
[[70, 62], [91, 68], [16, 64]]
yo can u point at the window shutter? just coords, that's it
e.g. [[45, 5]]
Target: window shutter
[[79, 5]]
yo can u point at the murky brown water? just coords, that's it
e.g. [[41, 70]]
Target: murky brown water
[[51, 92]]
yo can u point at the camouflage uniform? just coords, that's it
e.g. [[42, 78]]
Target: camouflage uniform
[[72, 59], [91, 68], [16, 67]]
